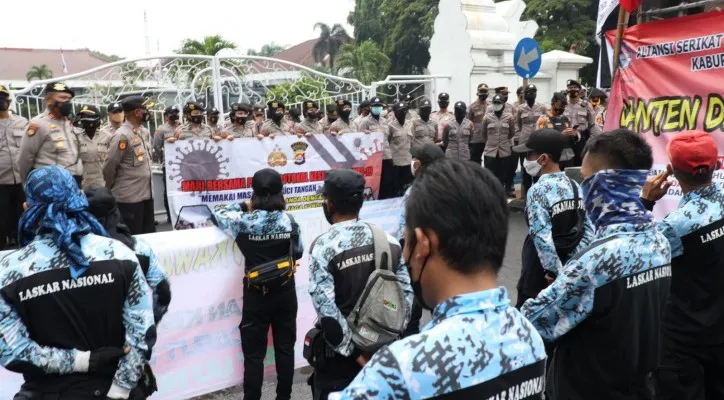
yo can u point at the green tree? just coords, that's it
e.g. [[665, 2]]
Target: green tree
[[267, 50], [39, 72], [366, 62], [329, 43], [209, 46], [368, 22], [107, 57], [299, 90], [563, 25], [407, 40]]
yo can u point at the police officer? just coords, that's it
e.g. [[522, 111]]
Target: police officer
[[477, 346], [503, 92], [330, 118], [456, 134], [343, 124], [526, 121], [212, 119], [411, 113], [424, 130], [612, 294], [364, 111], [274, 125], [498, 130], [128, 168], [50, 138], [266, 234], [194, 128], [556, 119], [67, 341], [311, 124], [335, 290], [693, 325], [400, 138], [476, 113], [12, 128], [376, 122], [442, 116], [598, 100], [581, 115], [258, 111], [163, 134], [293, 118], [115, 119], [87, 123], [557, 222], [241, 126]]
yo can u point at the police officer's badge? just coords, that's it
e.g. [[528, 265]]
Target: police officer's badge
[[32, 128], [299, 149], [599, 119], [277, 158]]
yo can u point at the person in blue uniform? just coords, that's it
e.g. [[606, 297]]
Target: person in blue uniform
[[477, 345], [692, 354], [264, 234], [335, 290], [604, 309], [558, 226], [71, 299]]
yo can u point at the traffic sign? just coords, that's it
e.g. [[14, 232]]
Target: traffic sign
[[527, 58]]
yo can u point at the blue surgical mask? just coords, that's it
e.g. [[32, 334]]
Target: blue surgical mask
[[376, 111]]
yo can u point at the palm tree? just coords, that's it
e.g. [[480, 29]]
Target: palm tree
[[39, 72], [208, 46], [366, 62], [329, 42]]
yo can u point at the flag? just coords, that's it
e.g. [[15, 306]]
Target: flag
[[63, 65], [630, 5]]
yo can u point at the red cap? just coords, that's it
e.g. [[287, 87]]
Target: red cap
[[693, 152]]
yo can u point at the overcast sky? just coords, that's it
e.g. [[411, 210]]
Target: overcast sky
[[118, 28]]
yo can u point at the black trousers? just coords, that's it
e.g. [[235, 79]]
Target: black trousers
[[403, 177], [413, 328], [476, 152], [499, 166], [512, 167], [139, 217], [689, 372], [526, 179], [532, 275], [11, 208], [165, 197], [337, 374], [276, 308], [387, 180], [92, 389]]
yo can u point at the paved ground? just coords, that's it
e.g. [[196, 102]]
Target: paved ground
[[508, 277]]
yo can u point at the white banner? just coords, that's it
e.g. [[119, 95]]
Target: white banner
[[605, 8], [198, 349], [211, 173]]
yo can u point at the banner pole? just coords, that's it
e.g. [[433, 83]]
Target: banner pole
[[623, 17]]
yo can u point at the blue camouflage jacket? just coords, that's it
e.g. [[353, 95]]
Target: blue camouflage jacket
[[551, 204], [476, 347], [154, 276], [403, 221], [338, 273], [37, 290]]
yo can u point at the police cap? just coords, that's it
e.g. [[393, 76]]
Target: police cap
[[171, 110], [331, 108], [482, 88], [133, 103], [596, 92], [115, 107], [267, 182], [425, 104], [212, 111], [519, 91], [376, 102], [531, 88], [501, 90], [364, 103], [573, 82], [443, 97], [343, 102], [258, 108], [241, 107], [461, 105], [192, 106], [274, 104], [58, 87], [4, 90], [497, 99], [90, 110], [400, 105], [310, 104], [341, 185]]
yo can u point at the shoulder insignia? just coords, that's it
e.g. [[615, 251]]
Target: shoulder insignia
[[32, 128], [122, 145]]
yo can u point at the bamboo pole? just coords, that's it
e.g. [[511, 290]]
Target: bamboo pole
[[623, 17]]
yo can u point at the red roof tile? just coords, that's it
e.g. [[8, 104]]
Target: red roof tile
[[15, 63]]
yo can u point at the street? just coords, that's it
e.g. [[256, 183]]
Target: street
[[508, 277]]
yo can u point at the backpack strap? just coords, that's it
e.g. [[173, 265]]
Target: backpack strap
[[294, 235], [382, 247]]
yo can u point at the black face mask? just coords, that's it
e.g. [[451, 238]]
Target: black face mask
[[196, 119], [311, 116], [345, 114], [241, 120], [90, 126], [64, 109], [214, 120], [4, 103], [558, 111], [277, 117], [173, 118], [504, 98], [459, 115], [327, 213], [482, 96], [443, 104], [425, 113], [573, 93], [417, 284], [530, 98]]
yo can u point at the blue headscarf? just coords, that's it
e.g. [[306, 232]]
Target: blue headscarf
[[58, 207], [613, 197]]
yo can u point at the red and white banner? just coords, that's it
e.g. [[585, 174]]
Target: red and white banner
[[670, 80]]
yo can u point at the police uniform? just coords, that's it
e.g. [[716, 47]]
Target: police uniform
[[50, 140], [340, 126], [456, 136], [193, 131], [335, 290], [498, 131], [263, 237], [526, 123], [476, 113], [580, 113], [476, 347], [400, 139], [91, 149], [237, 130], [327, 121], [128, 172], [442, 117], [272, 127], [604, 308], [163, 133], [424, 131], [211, 114], [560, 123], [258, 109], [309, 125], [363, 106], [599, 111], [379, 124], [12, 197], [56, 312], [107, 130]]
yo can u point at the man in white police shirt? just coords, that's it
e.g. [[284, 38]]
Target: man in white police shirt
[[341, 261], [692, 359], [70, 300], [605, 307], [477, 346], [267, 237]]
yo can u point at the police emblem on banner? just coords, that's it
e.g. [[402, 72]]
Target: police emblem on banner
[[277, 158], [299, 152]]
